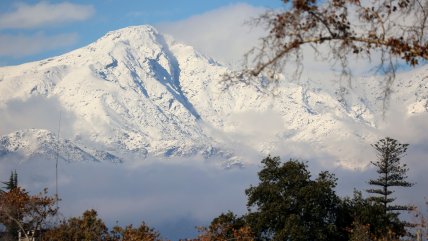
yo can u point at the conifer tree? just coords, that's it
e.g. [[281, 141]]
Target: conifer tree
[[13, 181], [392, 173]]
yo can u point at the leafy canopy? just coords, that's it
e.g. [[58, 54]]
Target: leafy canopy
[[288, 205]]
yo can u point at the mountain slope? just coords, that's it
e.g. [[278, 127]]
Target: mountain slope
[[33, 143], [124, 92], [140, 92]]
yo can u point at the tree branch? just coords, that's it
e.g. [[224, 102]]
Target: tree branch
[[389, 43]]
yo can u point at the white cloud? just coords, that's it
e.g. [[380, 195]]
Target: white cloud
[[24, 45], [44, 13], [222, 33], [35, 112]]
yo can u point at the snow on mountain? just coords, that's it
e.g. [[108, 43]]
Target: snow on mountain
[[124, 90], [138, 91], [34, 143]]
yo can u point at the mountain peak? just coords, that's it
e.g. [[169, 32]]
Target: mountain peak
[[141, 38], [138, 29], [131, 33], [129, 91]]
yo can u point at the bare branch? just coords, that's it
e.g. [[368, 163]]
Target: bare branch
[[396, 28]]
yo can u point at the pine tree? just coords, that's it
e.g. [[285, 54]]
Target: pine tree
[[13, 181], [392, 173]]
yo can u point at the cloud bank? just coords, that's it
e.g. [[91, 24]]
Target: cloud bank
[[43, 14], [172, 197]]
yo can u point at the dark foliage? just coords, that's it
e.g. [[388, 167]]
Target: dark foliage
[[288, 205]]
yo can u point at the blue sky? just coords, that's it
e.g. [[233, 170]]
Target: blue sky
[[33, 30]]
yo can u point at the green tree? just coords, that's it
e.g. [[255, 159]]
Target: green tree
[[392, 173], [364, 218], [288, 205], [13, 181]]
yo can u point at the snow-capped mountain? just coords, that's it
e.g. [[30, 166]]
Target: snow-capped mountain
[[138, 91], [34, 143]]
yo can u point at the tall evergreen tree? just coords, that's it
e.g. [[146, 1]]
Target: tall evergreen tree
[[13, 181], [392, 173]]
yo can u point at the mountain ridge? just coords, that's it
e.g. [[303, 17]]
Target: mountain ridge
[[37, 143], [137, 91]]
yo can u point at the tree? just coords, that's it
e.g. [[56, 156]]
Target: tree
[[20, 211], [394, 28], [129, 233], [365, 219], [86, 228], [226, 227], [91, 228], [392, 173], [13, 181], [288, 205]]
